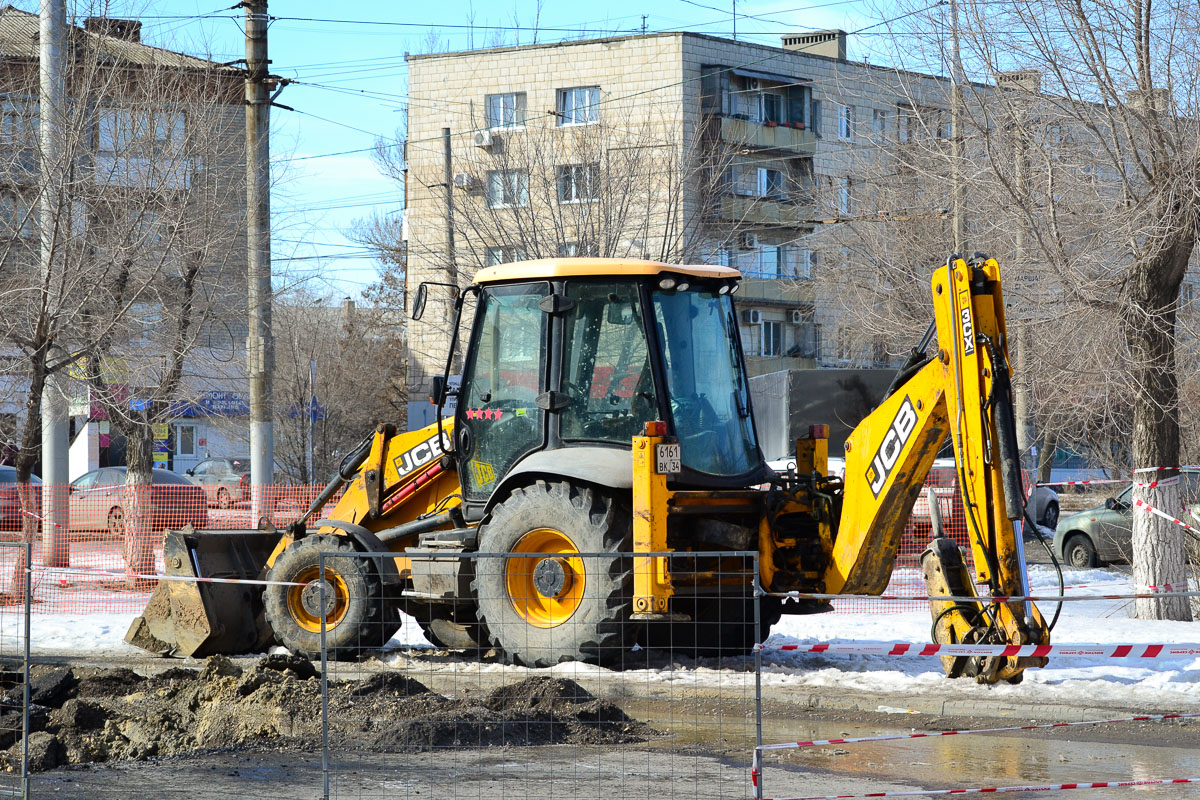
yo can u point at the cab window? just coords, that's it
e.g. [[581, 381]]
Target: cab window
[[606, 365]]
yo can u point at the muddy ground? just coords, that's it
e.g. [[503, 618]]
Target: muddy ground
[[86, 715]]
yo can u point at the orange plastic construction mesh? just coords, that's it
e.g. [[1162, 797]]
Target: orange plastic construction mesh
[[92, 568]]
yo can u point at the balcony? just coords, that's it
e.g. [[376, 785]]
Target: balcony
[[759, 287], [760, 136], [765, 211]]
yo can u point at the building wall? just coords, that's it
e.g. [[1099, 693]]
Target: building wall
[[639, 78], [659, 74]]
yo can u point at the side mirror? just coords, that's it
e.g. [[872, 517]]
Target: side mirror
[[419, 301], [189, 472], [439, 388], [1113, 504]]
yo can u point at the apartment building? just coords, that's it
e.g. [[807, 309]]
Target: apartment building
[[727, 151], [152, 177]]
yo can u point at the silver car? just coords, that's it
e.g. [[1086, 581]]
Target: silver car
[[97, 501], [226, 481]]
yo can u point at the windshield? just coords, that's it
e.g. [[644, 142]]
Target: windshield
[[710, 401]]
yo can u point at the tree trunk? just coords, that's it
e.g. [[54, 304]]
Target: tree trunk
[[1159, 554], [138, 535], [30, 500]]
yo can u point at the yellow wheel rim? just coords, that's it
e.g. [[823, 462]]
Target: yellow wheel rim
[[306, 618], [545, 591]]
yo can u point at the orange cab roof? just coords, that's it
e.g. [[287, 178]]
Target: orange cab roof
[[550, 268]]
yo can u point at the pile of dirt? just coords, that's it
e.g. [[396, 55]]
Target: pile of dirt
[[88, 715]]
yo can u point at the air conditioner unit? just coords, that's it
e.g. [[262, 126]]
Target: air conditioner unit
[[464, 180], [797, 317], [752, 316], [747, 241], [483, 139]]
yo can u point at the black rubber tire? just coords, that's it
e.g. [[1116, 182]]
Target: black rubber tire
[[365, 626], [1050, 518], [1079, 552], [116, 522], [223, 500], [600, 629], [452, 630], [719, 627]]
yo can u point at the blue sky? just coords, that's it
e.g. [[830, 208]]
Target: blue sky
[[349, 58]]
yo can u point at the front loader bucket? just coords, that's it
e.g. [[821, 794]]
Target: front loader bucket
[[199, 618]]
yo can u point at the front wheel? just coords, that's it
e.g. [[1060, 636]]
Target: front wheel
[[1050, 518], [356, 617], [565, 592], [1079, 551]]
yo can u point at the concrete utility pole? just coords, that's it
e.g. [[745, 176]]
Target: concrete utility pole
[[260, 350], [448, 169], [51, 104], [956, 141]]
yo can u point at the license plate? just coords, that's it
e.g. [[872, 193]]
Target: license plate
[[667, 459]]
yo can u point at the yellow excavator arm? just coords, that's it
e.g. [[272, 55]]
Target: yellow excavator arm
[[962, 389]]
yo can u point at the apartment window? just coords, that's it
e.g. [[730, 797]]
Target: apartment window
[[846, 123], [122, 130], [576, 249], [845, 200], [578, 105], [19, 123], [505, 110], [771, 107], [804, 262], [19, 216], [772, 338], [879, 123], [504, 254], [770, 183], [578, 183], [507, 188]]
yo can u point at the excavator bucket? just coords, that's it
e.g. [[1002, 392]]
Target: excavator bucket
[[190, 616]]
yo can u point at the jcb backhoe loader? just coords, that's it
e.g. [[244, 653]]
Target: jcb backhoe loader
[[604, 408]]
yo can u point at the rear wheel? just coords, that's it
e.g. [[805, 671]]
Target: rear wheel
[[356, 617], [223, 500], [548, 603], [1079, 551], [116, 522]]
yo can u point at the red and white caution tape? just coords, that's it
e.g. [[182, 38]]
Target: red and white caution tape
[[1047, 787], [113, 573], [1151, 592], [893, 737], [917, 649], [1149, 485], [1166, 469], [1140, 503]]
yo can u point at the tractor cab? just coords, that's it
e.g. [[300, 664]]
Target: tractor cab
[[568, 359]]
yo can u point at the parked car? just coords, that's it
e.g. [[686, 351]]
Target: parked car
[[10, 503], [226, 481], [943, 478], [97, 501], [1104, 534]]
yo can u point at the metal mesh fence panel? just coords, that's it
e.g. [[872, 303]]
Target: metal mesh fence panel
[[546, 684], [14, 669], [104, 561]]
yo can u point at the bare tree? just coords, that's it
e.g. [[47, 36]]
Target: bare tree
[[340, 371], [146, 238], [1082, 176]]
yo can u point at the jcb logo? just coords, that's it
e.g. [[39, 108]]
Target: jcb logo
[[888, 454], [419, 456], [968, 332]]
